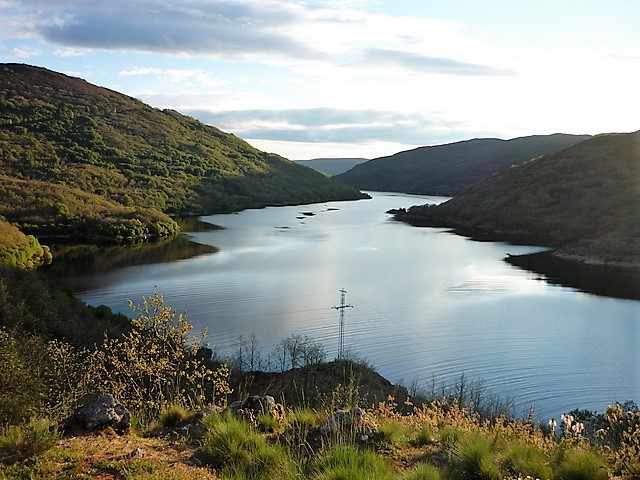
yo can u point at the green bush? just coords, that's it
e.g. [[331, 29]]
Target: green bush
[[424, 436], [304, 417], [449, 439], [424, 471], [236, 450], [174, 415], [20, 391], [474, 459], [348, 462], [20, 442], [268, 423], [393, 433], [581, 464], [156, 364], [526, 460]]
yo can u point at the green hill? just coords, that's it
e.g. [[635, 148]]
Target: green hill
[[20, 250], [585, 201], [77, 159], [451, 168]]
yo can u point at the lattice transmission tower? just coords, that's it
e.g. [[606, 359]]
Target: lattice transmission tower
[[341, 309]]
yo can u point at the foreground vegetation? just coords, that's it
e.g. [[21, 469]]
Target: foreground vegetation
[[177, 393], [440, 440]]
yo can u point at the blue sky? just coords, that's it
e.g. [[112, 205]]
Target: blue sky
[[350, 78]]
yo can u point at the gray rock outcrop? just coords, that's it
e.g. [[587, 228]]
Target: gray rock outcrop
[[102, 412]]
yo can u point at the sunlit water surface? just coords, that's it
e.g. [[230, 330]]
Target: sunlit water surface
[[427, 304]]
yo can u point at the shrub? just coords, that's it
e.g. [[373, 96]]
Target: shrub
[[392, 432], [20, 391], [343, 461], [156, 363], [268, 423], [67, 377], [526, 460], [304, 417], [234, 448], [424, 471], [301, 423], [173, 415], [621, 433], [581, 464], [473, 459], [449, 439], [424, 436], [20, 442]]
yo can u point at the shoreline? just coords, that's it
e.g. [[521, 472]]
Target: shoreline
[[586, 272]]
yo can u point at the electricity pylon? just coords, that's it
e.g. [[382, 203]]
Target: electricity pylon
[[341, 308]]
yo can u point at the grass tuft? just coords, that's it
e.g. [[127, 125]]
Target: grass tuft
[[237, 450], [526, 460], [174, 416], [347, 462], [423, 471], [21, 442], [581, 464], [474, 459]]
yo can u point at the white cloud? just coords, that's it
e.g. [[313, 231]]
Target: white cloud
[[185, 78], [266, 30], [25, 52], [323, 72], [140, 71], [69, 52]]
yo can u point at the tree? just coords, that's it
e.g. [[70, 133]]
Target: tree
[[247, 355], [156, 363], [299, 351], [20, 391]]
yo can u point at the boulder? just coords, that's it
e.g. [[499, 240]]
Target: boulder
[[102, 412], [257, 405], [343, 420]]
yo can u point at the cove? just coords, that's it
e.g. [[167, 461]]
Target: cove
[[428, 305]]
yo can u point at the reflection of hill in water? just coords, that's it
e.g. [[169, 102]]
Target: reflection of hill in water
[[194, 224], [609, 281], [71, 260]]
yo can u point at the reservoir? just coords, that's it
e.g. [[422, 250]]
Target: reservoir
[[428, 305]]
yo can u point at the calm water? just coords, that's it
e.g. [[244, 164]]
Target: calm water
[[427, 303]]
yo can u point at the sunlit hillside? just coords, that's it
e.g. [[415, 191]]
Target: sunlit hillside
[[115, 166], [583, 200]]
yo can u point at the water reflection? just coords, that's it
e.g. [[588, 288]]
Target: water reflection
[[609, 281], [73, 264], [429, 304]]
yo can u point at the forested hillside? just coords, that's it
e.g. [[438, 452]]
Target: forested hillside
[[583, 200], [449, 169], [77, 159]]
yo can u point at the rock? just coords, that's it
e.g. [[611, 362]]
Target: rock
[[257, 405], [209, 410], [137, 453], [100, 413], [342, 420], [195, 461]]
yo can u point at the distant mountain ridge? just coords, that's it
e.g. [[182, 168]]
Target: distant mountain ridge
[[332, 166], [451, 168], [584, 201], [81, 160]]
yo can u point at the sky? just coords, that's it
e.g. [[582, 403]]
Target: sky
[[351, 78]]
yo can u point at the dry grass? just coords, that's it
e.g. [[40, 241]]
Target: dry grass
[[109, 456]]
